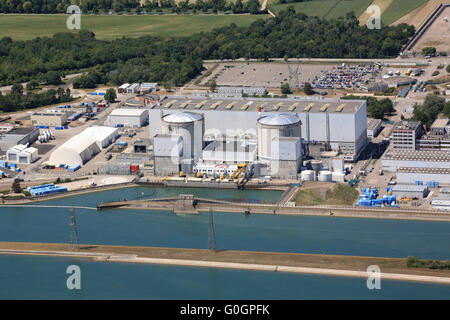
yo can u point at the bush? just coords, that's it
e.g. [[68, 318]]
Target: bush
[[434, 74], [429, 51], [26, 193], [448, 68], [285, 89]]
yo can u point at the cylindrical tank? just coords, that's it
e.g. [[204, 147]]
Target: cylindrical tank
[[338, 176], [308, 175], [325, 176], [190, 126], [274, 126]]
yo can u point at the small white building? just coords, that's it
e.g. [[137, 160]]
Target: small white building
[[128, 117], [5, 127], [441, 204], [134, 88], [22, 154], [123, 88], [147, 87], [211, 169], [13, 154]]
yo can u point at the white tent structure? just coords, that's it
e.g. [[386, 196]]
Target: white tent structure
[[77, 150], [104, 136]]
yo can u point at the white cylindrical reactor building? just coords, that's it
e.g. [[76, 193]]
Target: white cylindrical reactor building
[[191, 127], [275, 126]]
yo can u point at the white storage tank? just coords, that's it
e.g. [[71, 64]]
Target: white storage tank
[[308, 175], [190, 126], [338, 176], [274, 126], [325, 176]]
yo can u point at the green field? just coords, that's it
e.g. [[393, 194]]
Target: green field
[[398, 8], [29, 26], [328, 9]]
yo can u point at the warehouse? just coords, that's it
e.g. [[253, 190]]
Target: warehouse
[[103, 136], [134, 88], [395, 159], [51, 119], [128, 117], [341, 125], [76, 151], [410, 191], [5, 127], [21, 154], [424, 175], [147, 87], [123, 88], [19, 135], [440, 204]]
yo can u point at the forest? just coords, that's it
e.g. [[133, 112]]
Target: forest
[[177, 60], [15, 100], [128, 6]]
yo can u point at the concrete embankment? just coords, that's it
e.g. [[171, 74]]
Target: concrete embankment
[[335, 265], [335, 211]]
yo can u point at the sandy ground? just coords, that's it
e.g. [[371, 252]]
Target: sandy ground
[[391, 268], [418, 16], [383, 4], [438, 35]]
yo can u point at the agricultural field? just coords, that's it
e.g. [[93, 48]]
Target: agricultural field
[[29, 26], [325, 8], [399, 8]]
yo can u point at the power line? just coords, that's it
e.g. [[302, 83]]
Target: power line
[[74, 242], [211, 233]]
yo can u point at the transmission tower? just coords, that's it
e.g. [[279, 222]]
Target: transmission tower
[[211, 233], [294, 82], [74, 243]]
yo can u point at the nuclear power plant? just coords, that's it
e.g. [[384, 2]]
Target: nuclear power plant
[[262, 136]]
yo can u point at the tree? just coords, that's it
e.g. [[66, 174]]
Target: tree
[[212, 85], [447, 109], [33, 84], [17, 89], [53, 77], [110, 95], [429, 110], [429, 51], [448, 68], [307, 89], [285, 89], [16, 188]]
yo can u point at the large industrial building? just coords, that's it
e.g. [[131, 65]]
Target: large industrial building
[[18, 135], [51, 119], [216, 135], [128, 117], [395, 159], [76, 151], [424, 175], [405, 133], [341, 125], [84, 146]]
